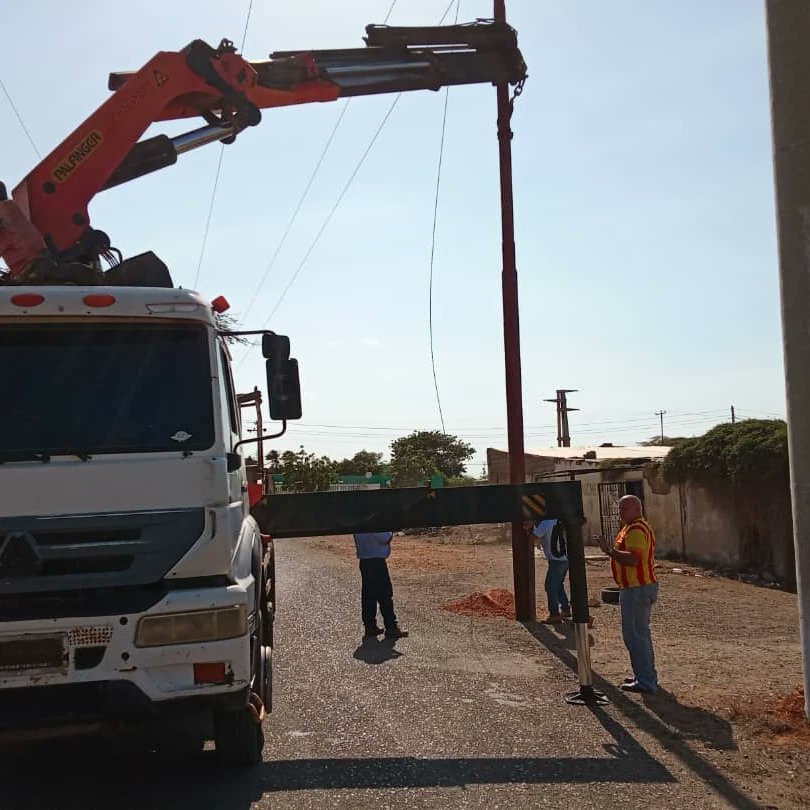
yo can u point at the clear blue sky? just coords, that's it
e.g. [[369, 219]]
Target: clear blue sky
[[643, 196]]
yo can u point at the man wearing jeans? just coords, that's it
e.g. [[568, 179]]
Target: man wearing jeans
[[373, 549], [552, 535], [632, 562]]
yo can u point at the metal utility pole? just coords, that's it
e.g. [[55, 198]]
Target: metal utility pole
[[661, 415], [561, 400], [522, 545], [789, 61], [733, 416]]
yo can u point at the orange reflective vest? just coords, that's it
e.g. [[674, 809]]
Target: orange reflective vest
[[637, 537]]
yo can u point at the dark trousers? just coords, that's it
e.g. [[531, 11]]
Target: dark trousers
[[377, 590]]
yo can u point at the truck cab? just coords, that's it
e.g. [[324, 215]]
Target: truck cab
[[134, 586]]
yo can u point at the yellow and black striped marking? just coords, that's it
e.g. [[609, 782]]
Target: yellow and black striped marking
[[534, 507]]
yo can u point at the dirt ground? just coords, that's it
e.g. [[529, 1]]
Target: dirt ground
[[727, 652]]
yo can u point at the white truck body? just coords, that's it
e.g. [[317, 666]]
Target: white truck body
[[150, 519]]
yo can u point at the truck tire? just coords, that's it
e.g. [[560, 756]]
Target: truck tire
[[238, 738], [268, 609]]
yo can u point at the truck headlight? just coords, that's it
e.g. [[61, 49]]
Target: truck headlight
[[192, 627]]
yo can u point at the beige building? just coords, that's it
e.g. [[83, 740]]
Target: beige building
[[690, 521]]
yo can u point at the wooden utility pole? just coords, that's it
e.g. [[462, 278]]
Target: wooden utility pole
[[789, 60], [661, 415], [733, 416], [522, 545]]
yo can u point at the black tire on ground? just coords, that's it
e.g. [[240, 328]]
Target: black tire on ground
[[610, 596], [238, 738], [180, 739]]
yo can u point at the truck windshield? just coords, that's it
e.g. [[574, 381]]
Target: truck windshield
[[84, 389]]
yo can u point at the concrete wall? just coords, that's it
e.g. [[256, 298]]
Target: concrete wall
[[498, 466], [740, 529]]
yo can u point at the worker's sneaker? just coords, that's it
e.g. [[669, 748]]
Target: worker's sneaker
[[373, 632], [635, 686], [566, 613], [396, 632], [553, 618]]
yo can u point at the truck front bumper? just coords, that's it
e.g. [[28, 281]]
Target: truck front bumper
[[101, 675]]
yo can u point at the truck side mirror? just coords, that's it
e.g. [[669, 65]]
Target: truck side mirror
[[283, 383]]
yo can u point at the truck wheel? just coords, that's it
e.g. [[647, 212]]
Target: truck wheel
[[266, 684], [238, 735], [238, 738], [268, 613]]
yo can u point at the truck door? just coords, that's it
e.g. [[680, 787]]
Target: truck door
[[232, 428]]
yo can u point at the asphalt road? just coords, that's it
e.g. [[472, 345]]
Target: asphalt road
[[464, 713]]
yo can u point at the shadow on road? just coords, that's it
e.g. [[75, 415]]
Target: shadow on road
[[76, 781], [376, 651], [664, 711]]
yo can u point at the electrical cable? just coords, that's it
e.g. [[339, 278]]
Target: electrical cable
[[342, 194], [219, 170], [433, 245], [303, 197], [332, 211], [20, 119]]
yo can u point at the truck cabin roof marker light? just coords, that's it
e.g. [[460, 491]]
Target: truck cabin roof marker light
[[99, 300], [220, 304], [27, 299], [172, 307]]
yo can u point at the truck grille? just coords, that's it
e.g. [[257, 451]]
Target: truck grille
[[86, 551]]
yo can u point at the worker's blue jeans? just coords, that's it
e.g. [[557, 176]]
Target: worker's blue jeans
[[555, 586], [636, 606]]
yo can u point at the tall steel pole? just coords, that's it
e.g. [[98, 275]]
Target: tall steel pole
[[522, 545], [789, 60]]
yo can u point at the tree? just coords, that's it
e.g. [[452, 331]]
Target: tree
[[752, 452], [425, 453], [360, 463], [302, 471], [273, 459], [669, 441]]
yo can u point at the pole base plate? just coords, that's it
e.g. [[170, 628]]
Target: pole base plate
[[587, 696]]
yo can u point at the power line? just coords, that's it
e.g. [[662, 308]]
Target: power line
[[334, 208], [20, 119], [433, 245], [683, 415], [303, 197], [219, 169], [342, 193], [300, 203]]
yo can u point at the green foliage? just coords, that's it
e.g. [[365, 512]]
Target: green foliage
[[462, 481], [752, 452], [360, 463], [669, 441], [425, 453], [302, 471]]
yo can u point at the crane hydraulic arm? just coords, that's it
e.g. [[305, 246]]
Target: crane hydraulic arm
[[45, 224]]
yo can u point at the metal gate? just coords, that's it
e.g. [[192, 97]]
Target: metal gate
[[609, 495]]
